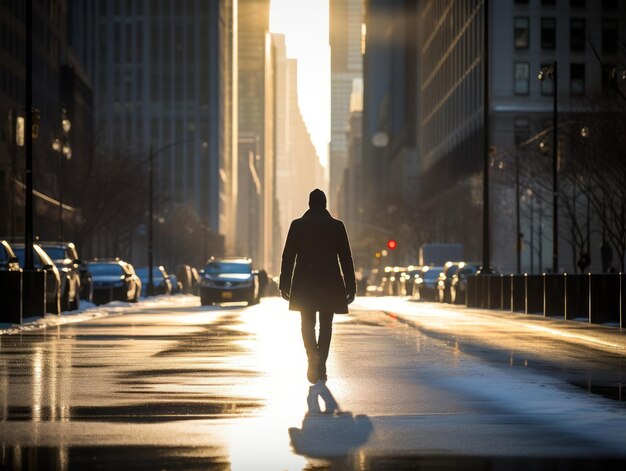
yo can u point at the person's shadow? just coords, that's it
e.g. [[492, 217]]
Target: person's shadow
[[328, 433]]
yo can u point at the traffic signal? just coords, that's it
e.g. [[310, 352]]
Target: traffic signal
[[391, 244]]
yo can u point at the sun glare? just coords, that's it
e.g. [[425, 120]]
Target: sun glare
[[305, 26]]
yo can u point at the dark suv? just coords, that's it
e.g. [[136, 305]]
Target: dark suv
[[229, 279], [72, 272]]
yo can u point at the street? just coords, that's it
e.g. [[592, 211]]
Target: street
[[167, 384]]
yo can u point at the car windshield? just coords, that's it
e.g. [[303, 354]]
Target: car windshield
[[56, 253], [143, 273], [216, 268], [105, 269], [4, 256], [431, 274], [20, 253]]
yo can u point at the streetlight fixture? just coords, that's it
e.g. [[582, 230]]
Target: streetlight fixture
[[549, 72]]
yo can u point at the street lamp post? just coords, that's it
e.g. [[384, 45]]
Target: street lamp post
[[540, 235], [486, 148], [518, 245], [531, 200], [150, 289], [550, 72], [28, 141], [153, 153]]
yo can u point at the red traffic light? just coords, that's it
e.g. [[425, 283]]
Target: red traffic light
[[392, 244]]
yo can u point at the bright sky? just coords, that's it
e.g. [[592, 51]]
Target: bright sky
[[305, 25]]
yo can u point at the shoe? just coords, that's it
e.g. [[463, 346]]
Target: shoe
[[312, 373]]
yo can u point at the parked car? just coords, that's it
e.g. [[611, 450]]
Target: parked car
[[177, 286], [42, 261], [425, 284], [195, 281], [65, 257], [185, 277], [229, 279], [393, 282], [70, 252], [374, 280], [160, 280], [408, 280], [458, 288], [8, 259], [114, 280], [445, 281]]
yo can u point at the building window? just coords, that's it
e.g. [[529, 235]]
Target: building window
[[547, 85], [577, 3], [577, 34], [609, 35], [522, 78], [609, 4], [522, 130], [548, 33], [577, 79], [521, 32]]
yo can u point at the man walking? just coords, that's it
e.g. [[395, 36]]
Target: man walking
[[317, 244]]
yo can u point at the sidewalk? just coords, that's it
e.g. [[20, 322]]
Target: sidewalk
[[88, 311], [490, 326]]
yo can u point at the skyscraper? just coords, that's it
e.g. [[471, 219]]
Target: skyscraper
[[346, 19], [165, 80], [298, 169], [423, 88], [255, 217]]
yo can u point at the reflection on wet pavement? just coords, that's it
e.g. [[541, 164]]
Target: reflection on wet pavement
[[182, 387]]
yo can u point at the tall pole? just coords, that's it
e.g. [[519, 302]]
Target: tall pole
[[540, 236], [150, 289], [518, 248], [61, 157], [555, 182], [531, 200], [28, 140], [486, 242]]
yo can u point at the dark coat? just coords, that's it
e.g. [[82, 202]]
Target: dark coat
[[317, 244]]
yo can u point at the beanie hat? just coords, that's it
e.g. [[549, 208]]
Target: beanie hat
[[317, 199]]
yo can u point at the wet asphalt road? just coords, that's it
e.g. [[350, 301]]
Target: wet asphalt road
[[171, 385]]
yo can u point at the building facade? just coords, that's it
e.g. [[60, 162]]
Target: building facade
[[436, 136], [256, 205], [61, 91], [390, 103], [165, 80], [582, 38], [345, 29]]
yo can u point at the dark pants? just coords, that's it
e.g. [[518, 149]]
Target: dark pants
[[322, 344]]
